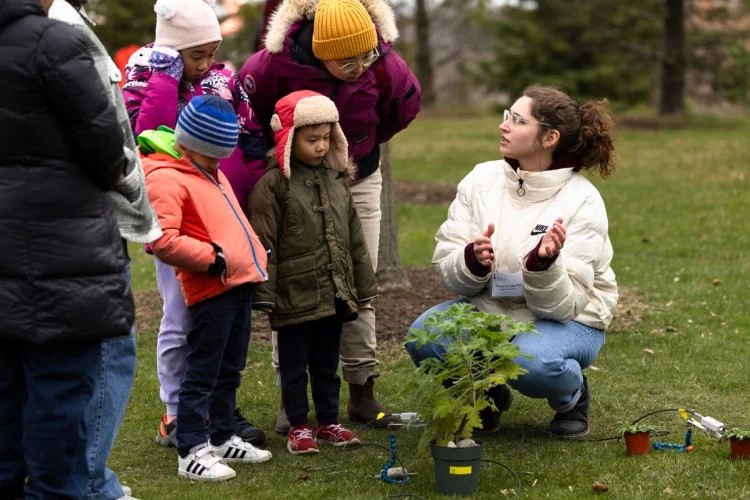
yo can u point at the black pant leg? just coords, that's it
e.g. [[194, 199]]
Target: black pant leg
[[324, 364], [293, 345]]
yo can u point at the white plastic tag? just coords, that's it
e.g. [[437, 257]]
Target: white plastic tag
[[507, 285]]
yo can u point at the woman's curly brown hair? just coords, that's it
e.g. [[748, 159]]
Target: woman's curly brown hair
[[586, 130]]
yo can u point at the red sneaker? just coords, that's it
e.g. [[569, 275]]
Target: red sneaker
[[300, 440], [336, 435]]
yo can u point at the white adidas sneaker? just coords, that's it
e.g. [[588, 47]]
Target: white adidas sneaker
[[202, 465], [235, 449]]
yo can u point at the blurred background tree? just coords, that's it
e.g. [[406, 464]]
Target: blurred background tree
[[659, 53], [641, 51], [719, 52], [123, 23], [240, 28], [120, 24], [587, 47], [475, 53]]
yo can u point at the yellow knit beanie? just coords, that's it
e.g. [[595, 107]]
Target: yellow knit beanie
[[342, 29]]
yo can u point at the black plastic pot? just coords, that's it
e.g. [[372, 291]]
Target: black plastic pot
[[457, 469]]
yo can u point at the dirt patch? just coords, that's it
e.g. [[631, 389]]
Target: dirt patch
[[396, 309], [629, 310], [425, 193]]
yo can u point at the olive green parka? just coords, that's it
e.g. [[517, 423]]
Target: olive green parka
[[318, 264]]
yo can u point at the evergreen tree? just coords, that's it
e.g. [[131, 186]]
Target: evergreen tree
[[589, 48], [123, 23]]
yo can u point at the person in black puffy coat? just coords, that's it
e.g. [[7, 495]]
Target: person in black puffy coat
[[62, 286]]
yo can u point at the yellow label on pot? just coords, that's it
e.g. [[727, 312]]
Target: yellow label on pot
[[454, 470]]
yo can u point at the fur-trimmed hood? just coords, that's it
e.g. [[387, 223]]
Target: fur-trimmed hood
[[300, 109], [293, 11]]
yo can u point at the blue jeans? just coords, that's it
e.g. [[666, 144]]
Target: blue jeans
[[559, 352], [44, 393], [106, 410], [217, 353]]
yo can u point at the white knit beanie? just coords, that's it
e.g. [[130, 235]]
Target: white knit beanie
[[181, 24]]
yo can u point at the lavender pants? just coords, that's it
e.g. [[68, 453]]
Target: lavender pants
[[171, 345]]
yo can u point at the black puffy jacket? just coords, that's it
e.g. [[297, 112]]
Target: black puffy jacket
[[61, 257]]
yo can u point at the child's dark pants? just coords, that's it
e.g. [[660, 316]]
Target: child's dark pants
[[315, 346], [217, 352]]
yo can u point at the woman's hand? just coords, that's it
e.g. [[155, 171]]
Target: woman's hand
[[552, 241], [483, 250]]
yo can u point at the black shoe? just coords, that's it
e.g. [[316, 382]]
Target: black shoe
[[247, 431], [575, 422], [503, 397]]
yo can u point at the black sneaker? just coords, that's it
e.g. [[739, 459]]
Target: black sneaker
[[247, 431], [575, 422]]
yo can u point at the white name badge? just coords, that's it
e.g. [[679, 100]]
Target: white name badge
[[507, 285]]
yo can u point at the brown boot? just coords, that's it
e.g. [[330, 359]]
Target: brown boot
[[282, 422], [363, 407]]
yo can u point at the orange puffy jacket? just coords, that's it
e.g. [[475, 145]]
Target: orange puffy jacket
[[195, 209]]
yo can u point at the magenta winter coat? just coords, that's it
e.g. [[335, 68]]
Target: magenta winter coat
[[154, 99], [380, 103]]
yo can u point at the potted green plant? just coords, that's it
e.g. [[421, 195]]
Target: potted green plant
[[450, 392], [637, 438], [739, 442]]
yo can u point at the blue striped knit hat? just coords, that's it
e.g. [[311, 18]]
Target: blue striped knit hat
[[208, 125]]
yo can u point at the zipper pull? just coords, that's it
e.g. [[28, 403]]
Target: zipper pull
[[521, 191]]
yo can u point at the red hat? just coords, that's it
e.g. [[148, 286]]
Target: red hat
[[300, 109]]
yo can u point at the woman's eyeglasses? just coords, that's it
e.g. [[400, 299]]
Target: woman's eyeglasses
[[365, 62], [516, 119]]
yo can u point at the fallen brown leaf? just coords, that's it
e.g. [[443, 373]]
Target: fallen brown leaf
[[600, 487]]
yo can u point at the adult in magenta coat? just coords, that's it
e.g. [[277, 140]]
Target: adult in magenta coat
[[342, 49]]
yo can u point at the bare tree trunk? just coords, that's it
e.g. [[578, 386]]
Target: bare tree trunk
[[424, 65], [673, 68], [390, 271]]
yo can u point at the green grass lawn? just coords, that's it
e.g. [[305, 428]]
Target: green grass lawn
[[678, 223]]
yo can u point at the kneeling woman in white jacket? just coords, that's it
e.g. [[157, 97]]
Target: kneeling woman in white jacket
[[527, 236]]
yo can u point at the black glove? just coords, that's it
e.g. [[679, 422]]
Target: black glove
[[219, 267]]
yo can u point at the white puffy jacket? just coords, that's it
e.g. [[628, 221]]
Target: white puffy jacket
[[580, 285]]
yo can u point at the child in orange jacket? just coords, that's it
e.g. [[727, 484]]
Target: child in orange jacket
[[218, 259]]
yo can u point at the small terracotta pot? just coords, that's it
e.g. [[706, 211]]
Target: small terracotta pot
[[637, 443], [740, 448]]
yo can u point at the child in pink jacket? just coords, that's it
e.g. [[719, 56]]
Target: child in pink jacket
[[163, 76]]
